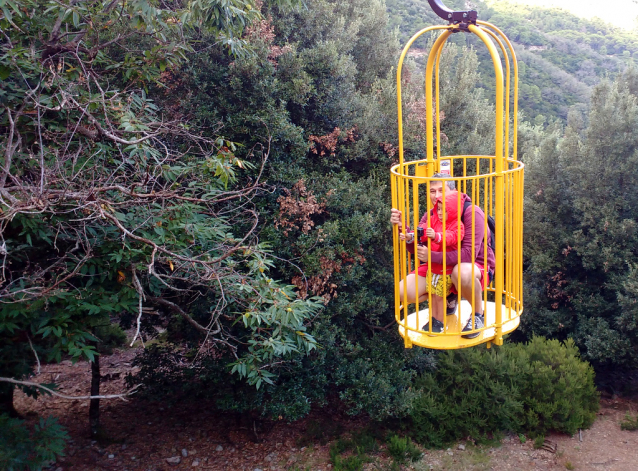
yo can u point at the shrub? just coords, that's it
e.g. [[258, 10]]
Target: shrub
[[360, 443], [364, 442], [630, 423], [320, 432], [558, 391], [525, 388], [351, 463], [402, 449], [341, 463], [340, 446], [24, 448]]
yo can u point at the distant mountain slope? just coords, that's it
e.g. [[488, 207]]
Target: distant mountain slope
[[560, 55]]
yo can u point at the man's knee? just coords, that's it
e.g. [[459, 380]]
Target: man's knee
[[470, 272], [465, 270], [468, 276]]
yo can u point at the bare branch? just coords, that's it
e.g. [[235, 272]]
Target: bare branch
[[175, 308], [37, 359], [122, 396], [140, 293]]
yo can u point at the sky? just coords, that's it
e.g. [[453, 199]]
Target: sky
[[621, 13]]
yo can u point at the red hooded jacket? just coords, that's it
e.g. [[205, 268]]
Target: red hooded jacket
[[448, 238], [476, 233]]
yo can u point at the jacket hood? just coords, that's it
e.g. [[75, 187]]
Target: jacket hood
[[451, 205]]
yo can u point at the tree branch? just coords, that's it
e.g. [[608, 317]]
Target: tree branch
[[122, 396], [140, 293], [175, 308]]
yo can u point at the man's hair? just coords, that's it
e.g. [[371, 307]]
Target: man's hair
[[451, 184]]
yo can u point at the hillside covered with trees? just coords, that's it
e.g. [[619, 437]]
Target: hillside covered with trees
[[561, 56], [209, 182]]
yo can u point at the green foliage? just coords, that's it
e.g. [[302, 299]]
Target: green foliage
[[402, 449], [114, 207], [365, 441], [349, 463], [326, 218], [109, 336], [560, 55], [375, 382], [629, 422], [340, 446], [133, 209], [580, 228], [525, 388], [23, 447], [320, 431], [294, 391], [360, 443], [558, 391], [283, 318], [539, 441]]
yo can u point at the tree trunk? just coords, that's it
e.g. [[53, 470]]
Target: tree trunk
[[94, 407], [6, 400]]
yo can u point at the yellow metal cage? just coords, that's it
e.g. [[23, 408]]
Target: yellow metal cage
[[494, 183]]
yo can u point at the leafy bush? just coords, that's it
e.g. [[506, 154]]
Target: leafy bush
[[25, 448], [402, 449], [340, 446], [361, 442], [166, 379], [320, 432], [629, 423], [351, 463], [341, 463], [364, 442], [526, 388]]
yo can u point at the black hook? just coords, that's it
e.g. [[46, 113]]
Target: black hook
[[461, 18]]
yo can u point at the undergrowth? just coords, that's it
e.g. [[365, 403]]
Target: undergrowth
[[352, 452], [629, 423], [30, 447], [528, 389], [402, 449]]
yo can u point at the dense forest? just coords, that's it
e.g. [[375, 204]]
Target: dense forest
[[561, 56], [210, 180]]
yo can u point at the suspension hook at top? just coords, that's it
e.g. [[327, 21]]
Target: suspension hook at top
[[461, 18]]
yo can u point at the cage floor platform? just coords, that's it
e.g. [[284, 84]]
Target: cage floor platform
[[451, 337]]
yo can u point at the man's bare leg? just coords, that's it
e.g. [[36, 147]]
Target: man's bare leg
[[467, 280], [410, 288]]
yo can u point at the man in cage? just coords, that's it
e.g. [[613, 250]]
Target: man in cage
[[475, 228]]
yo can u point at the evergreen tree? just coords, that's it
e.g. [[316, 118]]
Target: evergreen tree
[[580, 231]]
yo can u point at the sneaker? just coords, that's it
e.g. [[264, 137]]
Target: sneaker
[[452, 302], [478, 324], [437, 326]]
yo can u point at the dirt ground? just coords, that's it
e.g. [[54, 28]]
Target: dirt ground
[[146, 436]]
